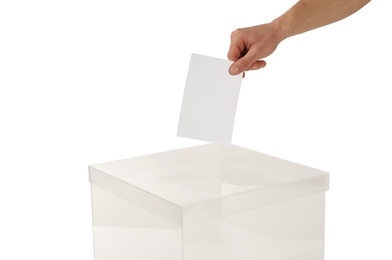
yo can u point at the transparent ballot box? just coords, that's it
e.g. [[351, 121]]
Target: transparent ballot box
[[208, 202]]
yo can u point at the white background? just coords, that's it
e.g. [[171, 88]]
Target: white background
[[84, 82]]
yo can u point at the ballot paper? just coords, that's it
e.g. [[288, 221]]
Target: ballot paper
[[210, 100]]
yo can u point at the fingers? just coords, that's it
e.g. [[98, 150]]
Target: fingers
[[244, 53], [258, 65], [241, 65], [234, 70], [238, 52], [248, 62], [237, 45]]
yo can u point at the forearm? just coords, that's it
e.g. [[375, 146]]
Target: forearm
[[307, 15]]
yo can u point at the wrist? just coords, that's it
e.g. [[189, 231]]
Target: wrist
[[281, 28]]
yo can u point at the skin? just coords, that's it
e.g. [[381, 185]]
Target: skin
[[249, 46]]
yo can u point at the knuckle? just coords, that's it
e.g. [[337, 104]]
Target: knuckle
[[236, 33], [246, 63]]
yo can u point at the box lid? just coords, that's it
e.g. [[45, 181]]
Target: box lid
[[195, 184]]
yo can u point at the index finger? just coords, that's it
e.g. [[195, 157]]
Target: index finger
[[237, 45]]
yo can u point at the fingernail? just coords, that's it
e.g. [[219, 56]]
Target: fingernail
[[234, 70]]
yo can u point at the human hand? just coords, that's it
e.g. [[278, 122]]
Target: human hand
[[250, 45]]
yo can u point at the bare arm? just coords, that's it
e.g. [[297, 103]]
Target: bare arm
[[249, 45], [307, 15]]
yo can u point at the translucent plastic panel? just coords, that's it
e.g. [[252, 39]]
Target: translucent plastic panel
[[289, 230], [125, 231], [209, 202]]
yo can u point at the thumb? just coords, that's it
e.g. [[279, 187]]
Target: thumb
[[242, 64]]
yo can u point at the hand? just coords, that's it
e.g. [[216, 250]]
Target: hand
[[250, 45]]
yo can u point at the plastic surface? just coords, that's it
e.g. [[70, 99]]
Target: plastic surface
[[209, 202], [210, 100]]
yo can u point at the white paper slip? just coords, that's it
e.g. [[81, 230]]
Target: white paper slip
[[210, 100]]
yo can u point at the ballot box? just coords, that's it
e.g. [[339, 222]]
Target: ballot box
[[208, 202]]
